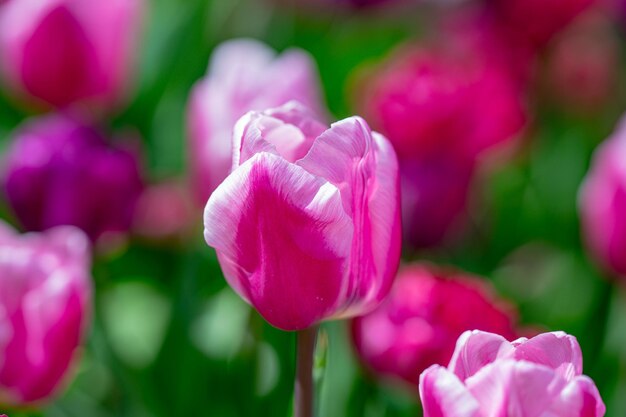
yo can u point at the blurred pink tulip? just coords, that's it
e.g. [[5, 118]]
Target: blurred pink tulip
[[489, 376], [582, 72], [307, 225], [602, 203], [419, 323], [64, 51], [441, 108], [45, 303], [164, 211], [60, 171], [539, 20], [243, 75]]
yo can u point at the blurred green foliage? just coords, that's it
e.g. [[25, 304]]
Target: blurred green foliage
[[169, 338]]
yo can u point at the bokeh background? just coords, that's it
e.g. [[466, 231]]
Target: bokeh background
[[170, 338]]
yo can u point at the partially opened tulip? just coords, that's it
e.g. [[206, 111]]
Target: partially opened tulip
[[307, 227], [60, 171], [45, 300], [419, 323], [243, 75], [602, 203], [64, 51], [489, 376]]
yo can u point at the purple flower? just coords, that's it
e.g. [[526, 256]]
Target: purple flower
[[59, 171]]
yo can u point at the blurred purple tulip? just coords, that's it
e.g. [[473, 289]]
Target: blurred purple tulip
[[45, 304], [59, 171], [418, 324], [307, 225], [65, 51], [489, 376], [243, 75], [602, 203]]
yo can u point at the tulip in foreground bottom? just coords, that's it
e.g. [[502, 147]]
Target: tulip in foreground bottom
[[489, 376], [307, 225]]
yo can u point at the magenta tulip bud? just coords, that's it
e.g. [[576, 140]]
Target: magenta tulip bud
[[539, 20], [307, 225], [243, 75], [59, 171], [418, 324], [65, 51], [45, 302], [444, 102], [603, 203], [489, 376]]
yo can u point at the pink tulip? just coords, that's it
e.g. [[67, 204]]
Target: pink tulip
[[45, 299], [603, 203], [243, 75], [307, 225], [489, 376], [441, 108], [64, 51], [419, 323]]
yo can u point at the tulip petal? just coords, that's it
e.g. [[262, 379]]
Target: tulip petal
[[62, 44], [443, 395], [521, 389], [556, 350], [474, 350], [282, 238], [580, 398], [363, 167]]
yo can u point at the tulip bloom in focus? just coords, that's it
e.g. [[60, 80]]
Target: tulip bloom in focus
[[45, 301], [307, 227], [243, 75], [489, 376], [602, 203], [419, 323], [64, 51], [62, 172], [441, 108]]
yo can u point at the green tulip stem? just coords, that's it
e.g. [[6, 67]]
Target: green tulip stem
[[303, 390]]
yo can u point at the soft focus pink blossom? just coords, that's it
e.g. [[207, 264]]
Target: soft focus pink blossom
[[164, 211], [442, 108], [539, 20], [60, 171], [582, 70], [307, 226], [45, 302], [64, 51], [489, 376], [243, 75], [419, 323], [602, 203]]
